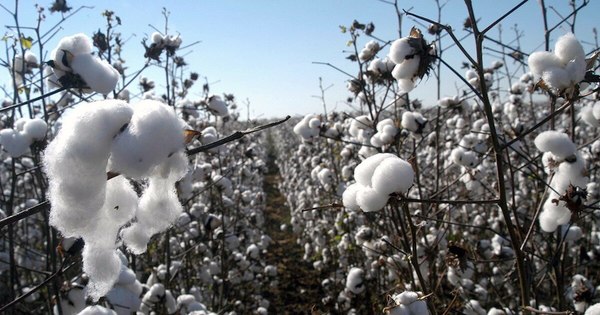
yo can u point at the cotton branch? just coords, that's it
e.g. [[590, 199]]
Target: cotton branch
[[235, 136]]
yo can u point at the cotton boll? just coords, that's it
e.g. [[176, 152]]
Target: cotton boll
[[370, 199], [464, 158], [14, 142], [217, 106], [98, 74], [556, 142], [35, 128], [571, 233], [354, 280], [568, 48], [413, 121], [393, 175], [157, 38], [102, 265], [400, 49], [78, 44], [364, 171], [153, 134]]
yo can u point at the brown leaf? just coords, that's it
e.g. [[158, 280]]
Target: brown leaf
[[190, 135]]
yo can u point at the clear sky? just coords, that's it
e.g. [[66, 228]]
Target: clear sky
[[263, 50]]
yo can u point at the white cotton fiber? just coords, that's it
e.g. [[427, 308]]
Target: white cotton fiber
[[540, 61], [558, 143], [349, 196], [159, 206], [96, 310], [35, 128], [407, 69], [153, 134], [405, 85], [568, 48], [369, 199], [102, 265], [399, 49], [98, 74], [557, 77], [75, 162], [393, 175], [364, 171]]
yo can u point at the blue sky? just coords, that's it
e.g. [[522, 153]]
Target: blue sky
[[263, 50]]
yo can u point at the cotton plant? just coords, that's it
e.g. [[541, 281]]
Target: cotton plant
[[73, 65], [140, 141]]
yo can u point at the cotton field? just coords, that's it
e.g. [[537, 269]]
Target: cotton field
[[144, 191]]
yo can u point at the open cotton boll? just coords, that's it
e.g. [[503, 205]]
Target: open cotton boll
[[558, 143], [399, 49], [369, 199], [157, 38], [35, 128], [99, 75], [413, 121], [464, 158], [102, 265], [14, 142], [355, 280], [568, 48], [217, 106], [393, 175], [364, 171], [153, 134], [78, 44]]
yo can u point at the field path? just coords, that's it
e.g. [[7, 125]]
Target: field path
[[299, 288]]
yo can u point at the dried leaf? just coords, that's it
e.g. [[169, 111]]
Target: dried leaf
[[592, 60], [190, 134], [26, 42]]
